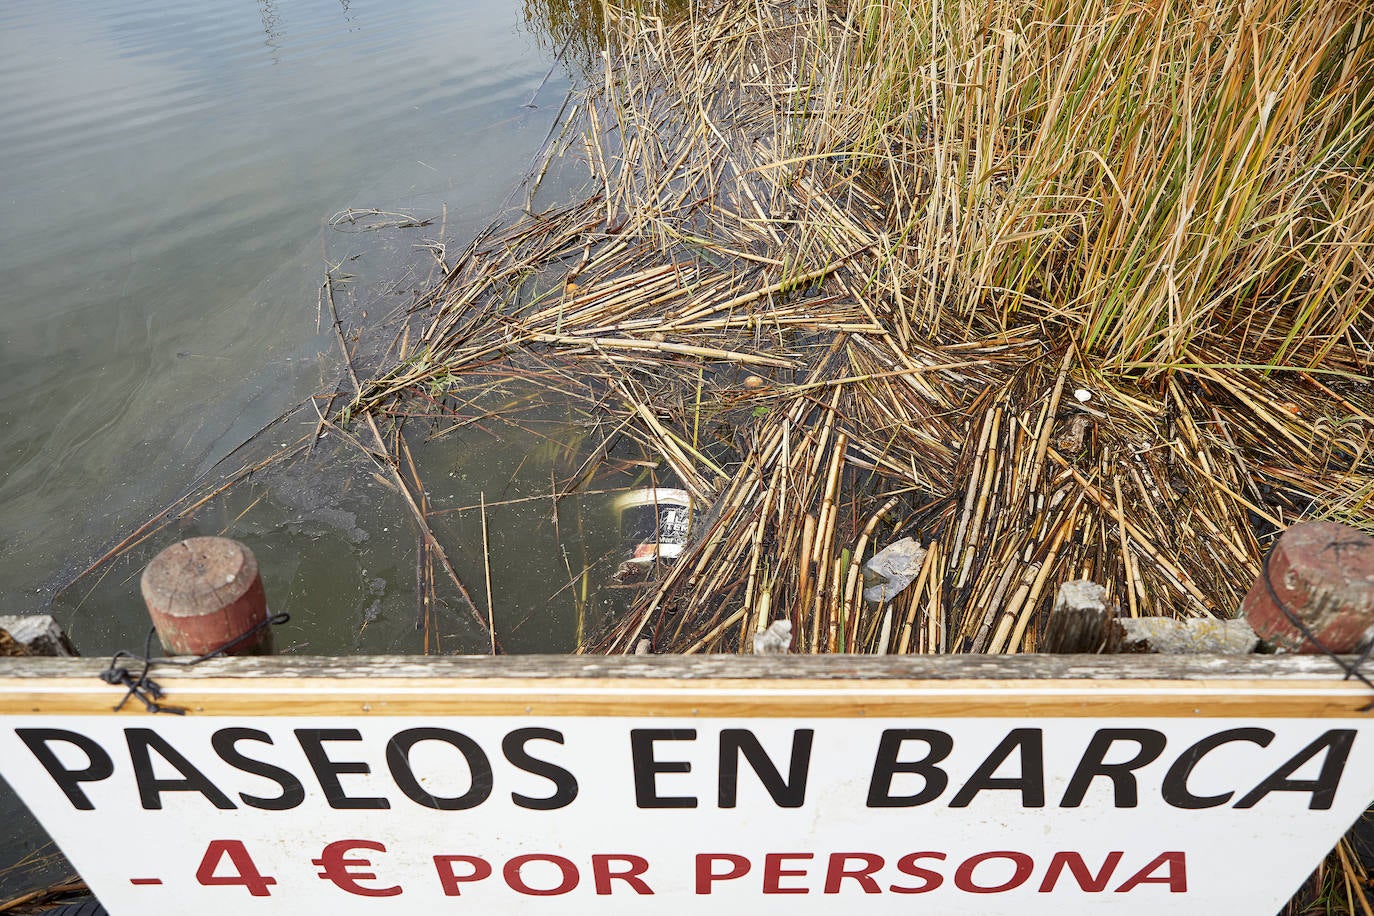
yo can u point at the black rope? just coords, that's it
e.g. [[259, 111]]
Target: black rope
[[146, 690], [1307, 634]]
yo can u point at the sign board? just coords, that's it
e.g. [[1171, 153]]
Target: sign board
[[286, 792]]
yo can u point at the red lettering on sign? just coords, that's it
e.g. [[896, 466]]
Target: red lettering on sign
[[907, 866], [338, 868], [1085, 878], [963, 875], [1176, 877], [838, 869], [602, 874], [707, 875], [449, 879], [245, 874], [516, 882], [773, 872]]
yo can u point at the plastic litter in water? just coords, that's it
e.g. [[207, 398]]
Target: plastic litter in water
[[889, 571]]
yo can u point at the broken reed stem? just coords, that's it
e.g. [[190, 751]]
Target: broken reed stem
[[853, 596], [825, 609], [486, 565]]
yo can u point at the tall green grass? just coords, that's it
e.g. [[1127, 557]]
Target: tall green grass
[[1179, 180]]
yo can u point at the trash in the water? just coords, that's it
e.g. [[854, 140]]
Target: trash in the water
[[775, 640], [892, 569], [654, 523], [1083, 395]]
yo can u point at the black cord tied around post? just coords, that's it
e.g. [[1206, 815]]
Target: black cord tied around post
[[146, 690]]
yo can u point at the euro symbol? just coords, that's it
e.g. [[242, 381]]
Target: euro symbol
[[339, 869]]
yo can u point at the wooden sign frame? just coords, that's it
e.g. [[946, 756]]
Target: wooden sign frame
[[655, 825], [1264, 686]]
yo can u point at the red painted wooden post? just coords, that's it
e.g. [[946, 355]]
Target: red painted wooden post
[[1324, 573], [204, 592]]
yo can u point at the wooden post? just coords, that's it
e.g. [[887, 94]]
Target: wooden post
[[1324, 574], [204, 592], [1079, 620]]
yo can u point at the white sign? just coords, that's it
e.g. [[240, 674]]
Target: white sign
[[572, 814]]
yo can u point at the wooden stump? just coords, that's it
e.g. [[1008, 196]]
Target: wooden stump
[[203, 593], [1079, 620], [1324, 574]]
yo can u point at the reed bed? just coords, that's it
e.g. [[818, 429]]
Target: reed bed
[[1035, 285], [1064, 290]]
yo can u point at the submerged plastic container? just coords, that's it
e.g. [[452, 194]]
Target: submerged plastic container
[[654, 523]]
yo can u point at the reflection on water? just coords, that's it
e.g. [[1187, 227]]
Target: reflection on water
[[165, 173], [575, 30]]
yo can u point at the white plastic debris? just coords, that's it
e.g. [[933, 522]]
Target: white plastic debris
[[655, 523], [889, 571], [1083, 395], [775, 640]]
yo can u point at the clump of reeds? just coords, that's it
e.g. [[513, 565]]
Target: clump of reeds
[[1180, 182], [932, 232]]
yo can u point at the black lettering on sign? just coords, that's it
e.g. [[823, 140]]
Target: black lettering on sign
[[886, 765], [1149, 745], [1175, 789], [1030, 743], [150, 788], [1336, 745], [225, 741], [789, 794], [478, 766], [327, 771], [647, 767], [98, 763], [564, 783]]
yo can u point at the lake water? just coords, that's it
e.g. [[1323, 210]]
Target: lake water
[[166, 174]]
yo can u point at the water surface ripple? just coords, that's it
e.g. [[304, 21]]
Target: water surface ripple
[[165, 171]]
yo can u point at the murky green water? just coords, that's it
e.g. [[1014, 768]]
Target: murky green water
[[166, 177], [168, 169]]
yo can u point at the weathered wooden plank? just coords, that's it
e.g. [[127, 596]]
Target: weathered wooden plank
[[729, 686], [728, 698], [697, 667], [723, 685]]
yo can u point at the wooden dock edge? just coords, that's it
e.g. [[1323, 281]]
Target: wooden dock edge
[[1260, 686]]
